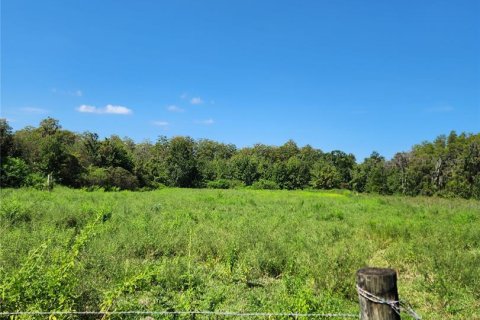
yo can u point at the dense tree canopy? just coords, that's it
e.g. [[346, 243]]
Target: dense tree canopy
[[449, 166]]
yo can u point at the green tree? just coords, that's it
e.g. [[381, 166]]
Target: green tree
[[471, 165], [244, 168], [13, 172], [157, 166], [371, 175], [208, 153], [309, 155], [397, 172], [287, 150], [181, 162], [114, 153], [6, 139], [298, 174], [26, 143], [325, 175], [88, 149], [279, 174], [344, 164], [143, 162], [49, 126]]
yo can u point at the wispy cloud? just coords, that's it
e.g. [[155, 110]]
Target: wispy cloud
[[196, 100], [442, 109], [206, 122], [117, 109], [162, 124], [184, 96], [75, 93], [87, 109], [174, 108], [108, 109], [32, 110]]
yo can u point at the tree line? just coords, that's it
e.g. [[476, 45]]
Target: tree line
[[448, 166]]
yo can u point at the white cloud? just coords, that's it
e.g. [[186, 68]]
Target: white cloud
[[206, 122], [196, 100], [174, 108], [184, 96], [34, 110], [108, 109], [88, 109], [117, 109], [161, 123]]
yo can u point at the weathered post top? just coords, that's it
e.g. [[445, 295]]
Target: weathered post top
[[377, 294]]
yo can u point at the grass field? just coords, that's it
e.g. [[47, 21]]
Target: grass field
[[234, 250]]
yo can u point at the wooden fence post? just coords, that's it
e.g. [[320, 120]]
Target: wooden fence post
[[381, 283]]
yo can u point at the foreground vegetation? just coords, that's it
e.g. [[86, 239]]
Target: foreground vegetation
[[235, 250], [447, 167]]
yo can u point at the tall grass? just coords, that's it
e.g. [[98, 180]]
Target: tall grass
[[235, 250]]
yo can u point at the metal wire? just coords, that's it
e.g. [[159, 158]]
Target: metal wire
[[397, 305], [212, 313]]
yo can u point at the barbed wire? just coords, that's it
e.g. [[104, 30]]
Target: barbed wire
[[206, 313], [397, 305]]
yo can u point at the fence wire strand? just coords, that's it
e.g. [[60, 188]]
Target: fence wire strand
[[397, 305], [179, 313]]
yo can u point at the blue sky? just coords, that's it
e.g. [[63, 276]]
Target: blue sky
[[351, 75]]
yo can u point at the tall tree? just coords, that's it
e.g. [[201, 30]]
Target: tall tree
[[325, 175], [114, 153], [245, 168], [181, 162], [6, 139]]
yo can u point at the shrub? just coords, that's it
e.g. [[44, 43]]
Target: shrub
[[122, 179], [111, 179], [35, 180], [13, 172], [236, 184], [96, 177], [265, 185], [219, 184], [224, 184]]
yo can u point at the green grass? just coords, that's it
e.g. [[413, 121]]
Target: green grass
[[234, 250]]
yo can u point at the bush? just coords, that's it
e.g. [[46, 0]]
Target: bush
[[122, 179], [224, 184], [13, 172], [96, 177], [35, 180], [236, 184], [264, 184], [111, 179], [219, 184]]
